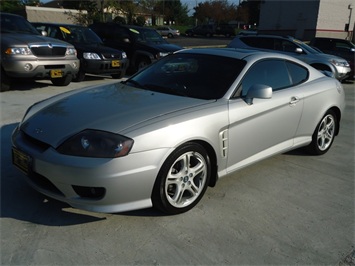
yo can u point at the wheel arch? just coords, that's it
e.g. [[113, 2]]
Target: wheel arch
[[337, 112], [213, 160]]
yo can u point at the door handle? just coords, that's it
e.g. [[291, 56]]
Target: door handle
[[294, 100]]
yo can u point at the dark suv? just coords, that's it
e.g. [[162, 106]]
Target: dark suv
[[142, 45], [293, 47], [202, 30], [338, 47], [25, 53], [95, 58]]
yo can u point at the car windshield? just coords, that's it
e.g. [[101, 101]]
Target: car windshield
[[147, 35], [15, 24], [192, 75], [79, 35]]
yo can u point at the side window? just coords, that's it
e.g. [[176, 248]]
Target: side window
[[298, 73], [120, 34], [273, 73], [259, 42], [288, 46]]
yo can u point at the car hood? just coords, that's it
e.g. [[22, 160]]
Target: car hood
[[164, 47], [28, 39], [113, 107]]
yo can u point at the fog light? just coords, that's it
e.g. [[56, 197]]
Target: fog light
[[28, 67]]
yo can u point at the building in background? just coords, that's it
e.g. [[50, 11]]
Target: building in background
[[305, 19]]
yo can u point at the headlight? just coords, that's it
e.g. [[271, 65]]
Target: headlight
[[92, 56], [95, 143], [19, 50], [340, 63], [124, 55], [71, 51]]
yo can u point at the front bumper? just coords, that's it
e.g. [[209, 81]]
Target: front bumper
[[104, 67], [38, 68], [93, 184]]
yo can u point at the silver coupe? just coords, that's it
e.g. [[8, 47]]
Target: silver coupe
[[161, 137]]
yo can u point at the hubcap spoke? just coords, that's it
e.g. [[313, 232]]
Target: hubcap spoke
[[326, 132], [186, 179]]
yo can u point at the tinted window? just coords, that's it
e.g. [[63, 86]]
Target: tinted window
[[191, 75], [273, 73], [298, 73], [284, 45], [259, 42]]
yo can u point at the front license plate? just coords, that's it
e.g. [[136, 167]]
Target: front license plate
[[56, 73], [21, 160], [115, 63]]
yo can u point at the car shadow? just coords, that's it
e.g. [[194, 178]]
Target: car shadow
[[21, 202]]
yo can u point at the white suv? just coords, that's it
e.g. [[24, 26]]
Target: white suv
[[293, 47]]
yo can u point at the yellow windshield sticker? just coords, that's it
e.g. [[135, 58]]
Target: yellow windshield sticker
[[65, 30], [134, 31]]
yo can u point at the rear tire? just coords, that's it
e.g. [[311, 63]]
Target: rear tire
[[324, 134], [64, 81], [80, 76], [182, 180]]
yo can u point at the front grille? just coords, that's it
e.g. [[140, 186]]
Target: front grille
[[45, 50], [111, 56]]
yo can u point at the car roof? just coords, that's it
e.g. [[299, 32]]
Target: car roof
[[123, 26], [237, 53], [58, 24]]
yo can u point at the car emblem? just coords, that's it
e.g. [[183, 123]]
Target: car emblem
[[50, 45]]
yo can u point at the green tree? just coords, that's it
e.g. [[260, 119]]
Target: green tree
[[218, 11], [16, 6], [172, 10]]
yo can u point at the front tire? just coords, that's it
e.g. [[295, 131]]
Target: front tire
[[64, 81], [5, 81], [141, 63], [182, 180], [324, 134]]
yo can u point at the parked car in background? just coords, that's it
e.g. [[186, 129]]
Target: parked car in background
[[201, 30], [338, 66], [338, 47], [25, 53], [168, 32], [164, 135], [143, 46], [225, 30], [95, 58]]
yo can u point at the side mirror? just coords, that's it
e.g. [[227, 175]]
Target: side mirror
[[299, 50], [259, 91]]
